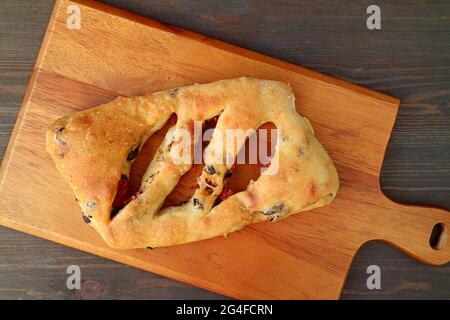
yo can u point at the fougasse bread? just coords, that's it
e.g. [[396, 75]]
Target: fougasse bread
[[94, 150]]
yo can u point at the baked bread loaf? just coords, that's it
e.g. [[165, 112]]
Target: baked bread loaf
[[94, 150]]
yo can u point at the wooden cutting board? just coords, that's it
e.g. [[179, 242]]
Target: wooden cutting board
[[305, 256]]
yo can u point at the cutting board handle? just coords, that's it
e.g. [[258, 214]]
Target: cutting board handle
[[412, 228]]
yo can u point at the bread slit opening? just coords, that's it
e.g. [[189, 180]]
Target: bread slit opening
[[187, 185], [129, 186], [246, 168]]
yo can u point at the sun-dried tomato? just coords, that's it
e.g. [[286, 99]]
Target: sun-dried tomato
[[211, 123], [173, 120], [210, 183], [122, 194], [226, 192]]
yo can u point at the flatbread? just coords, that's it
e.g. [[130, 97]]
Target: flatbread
[[94, 150]]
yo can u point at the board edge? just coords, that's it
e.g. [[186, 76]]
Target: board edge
[[26, 98], [246, 53]]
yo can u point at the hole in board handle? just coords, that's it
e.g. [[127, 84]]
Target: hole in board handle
[[438, 237]]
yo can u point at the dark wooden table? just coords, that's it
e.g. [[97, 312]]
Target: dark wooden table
[[408, 58]]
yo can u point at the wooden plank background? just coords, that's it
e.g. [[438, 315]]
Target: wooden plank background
[[409, 58]]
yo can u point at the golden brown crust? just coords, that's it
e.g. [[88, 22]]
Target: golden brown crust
[[90, 149]]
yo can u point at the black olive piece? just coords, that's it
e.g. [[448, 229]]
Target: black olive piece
[[198, 204], [160, 155], [57, 137], [91, 204], [60, 141], [274, 209], [133, 154], [174, 92], [210, 169], [150, 178], [86, 218], [170, 145], [209, 190], [228, 174]]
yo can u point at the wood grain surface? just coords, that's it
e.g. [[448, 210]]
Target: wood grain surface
[[411, 287]]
